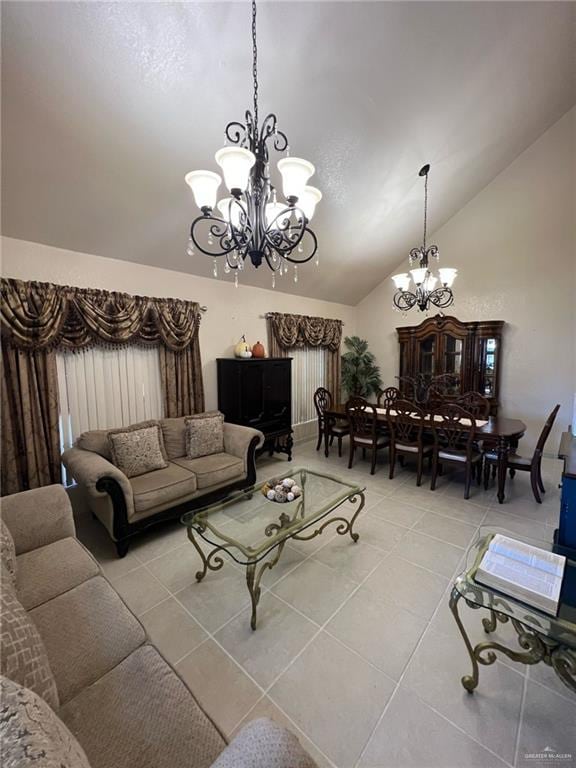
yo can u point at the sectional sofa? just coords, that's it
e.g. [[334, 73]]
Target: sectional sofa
[[82, 686]]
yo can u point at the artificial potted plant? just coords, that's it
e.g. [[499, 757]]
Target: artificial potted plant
[[360, 374]]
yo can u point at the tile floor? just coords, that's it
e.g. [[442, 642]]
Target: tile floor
[[356, 650]]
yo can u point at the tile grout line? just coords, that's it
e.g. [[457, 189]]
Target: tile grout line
[[397, 687]]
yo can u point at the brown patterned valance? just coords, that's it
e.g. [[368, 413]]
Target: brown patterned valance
[[301, 330], [38, 316]]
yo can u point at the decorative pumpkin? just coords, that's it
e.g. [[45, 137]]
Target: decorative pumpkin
[[242, 349], [258, 350]]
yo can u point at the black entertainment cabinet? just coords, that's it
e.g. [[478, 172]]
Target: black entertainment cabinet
[[257, 392]]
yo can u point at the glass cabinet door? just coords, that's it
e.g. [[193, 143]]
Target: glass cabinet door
[[487, 383], [452, 367], [427, 356]]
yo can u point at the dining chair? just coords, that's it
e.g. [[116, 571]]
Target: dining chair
[[474, 403], [406, 426], [364, 433], [326, 424], [387, 396], [454, 430], [522, 464]]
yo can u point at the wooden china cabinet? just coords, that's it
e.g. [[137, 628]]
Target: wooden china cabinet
[[469, 352]]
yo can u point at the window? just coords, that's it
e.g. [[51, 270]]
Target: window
[[101, 388], [309, 366]]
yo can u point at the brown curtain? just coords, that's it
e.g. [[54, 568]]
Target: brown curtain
[[38, 318], [181, 374], [287, 331], [30, 450]]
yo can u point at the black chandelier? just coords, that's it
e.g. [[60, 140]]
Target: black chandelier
[[424, 291], [253, 224]]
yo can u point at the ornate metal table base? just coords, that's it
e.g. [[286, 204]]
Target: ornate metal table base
[[535, 646], [255, 569]]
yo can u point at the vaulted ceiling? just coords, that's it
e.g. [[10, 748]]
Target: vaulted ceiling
[[107, 105]]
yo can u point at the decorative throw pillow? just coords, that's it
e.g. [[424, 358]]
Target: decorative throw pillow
[[7, 551], [138, 449], [31, 733], [174, 433], [204, 434], [23, 656]]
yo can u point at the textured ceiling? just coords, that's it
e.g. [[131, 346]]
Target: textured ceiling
[[107, 105]]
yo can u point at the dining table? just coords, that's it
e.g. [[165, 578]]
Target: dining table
[[498, 431]]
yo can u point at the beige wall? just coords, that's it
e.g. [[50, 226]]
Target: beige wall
[[231, 311], [514, 245]]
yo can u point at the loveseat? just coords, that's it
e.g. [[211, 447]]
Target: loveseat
[[127, 505], [82, 686]]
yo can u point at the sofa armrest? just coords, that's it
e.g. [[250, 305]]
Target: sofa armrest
[[38, 517], [261, 744], [238, 440], [93, 472]]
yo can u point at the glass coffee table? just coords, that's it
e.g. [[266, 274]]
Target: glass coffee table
[[541, 637], [252, 530]]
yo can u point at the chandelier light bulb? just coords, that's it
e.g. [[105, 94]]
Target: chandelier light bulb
[[309, 200], [295, 173], [447, 276], [272, 211], [204, 186], [402, 281], [419, 275], [236, 163], [231, 210]]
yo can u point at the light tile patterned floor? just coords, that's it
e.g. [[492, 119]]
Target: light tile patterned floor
[[356, 650]]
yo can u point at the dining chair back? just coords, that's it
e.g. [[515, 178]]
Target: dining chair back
[[328, 427], [515, 462], [406, 422], [361, 418], [322, 403], [539, 450], [364, 432], [388, 396], [454, 430], [474, 403]]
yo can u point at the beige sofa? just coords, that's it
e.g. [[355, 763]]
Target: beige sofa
[[128, 505], [119, 698]]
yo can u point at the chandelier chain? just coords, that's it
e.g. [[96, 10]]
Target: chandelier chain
[[255, 63], [425, 208]]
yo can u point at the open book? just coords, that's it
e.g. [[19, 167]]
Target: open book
[[523, 571]]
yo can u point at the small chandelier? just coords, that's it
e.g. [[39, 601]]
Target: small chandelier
[[253, 224], [424, 291]]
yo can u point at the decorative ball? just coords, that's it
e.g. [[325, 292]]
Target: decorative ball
[[296, 490], [290, 496], [288, 482], [280, 497], [271, 495], [279, 487]]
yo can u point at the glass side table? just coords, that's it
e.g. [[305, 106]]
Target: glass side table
[[541, 637]]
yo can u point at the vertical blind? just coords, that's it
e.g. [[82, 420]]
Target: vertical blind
[[101, 388], [308, 373]]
